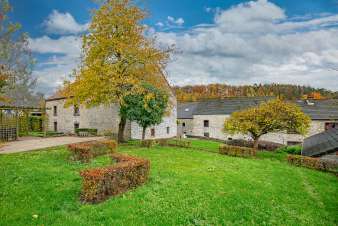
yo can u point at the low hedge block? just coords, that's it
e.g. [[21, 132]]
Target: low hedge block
[[85, 151], [148, 143], [313, 163], [236, 151], [179, 143], [101, 183]]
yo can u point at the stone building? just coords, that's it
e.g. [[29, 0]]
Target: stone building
[[206, 118], [104, 119]]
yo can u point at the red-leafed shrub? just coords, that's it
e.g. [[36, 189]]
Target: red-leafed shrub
[[236, 151], [100, 183], [85, 151], [313, 163]]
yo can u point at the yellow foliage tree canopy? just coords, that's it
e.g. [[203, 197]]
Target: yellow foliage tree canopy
[[272, 116], [117, 57]]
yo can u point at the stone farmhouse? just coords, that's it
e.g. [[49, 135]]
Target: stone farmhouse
[[206, 118], [104, 118]]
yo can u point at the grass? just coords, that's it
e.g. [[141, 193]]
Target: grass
[[186, 187]]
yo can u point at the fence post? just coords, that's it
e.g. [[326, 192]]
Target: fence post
[[17, 124]]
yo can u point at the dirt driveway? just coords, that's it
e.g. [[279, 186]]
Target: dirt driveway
[[33, 143]]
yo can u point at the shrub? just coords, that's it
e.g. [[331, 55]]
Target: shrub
[[236, 151], [163, 142], [89, 131], [262, 145], [295, 150], [100, 183], [148, 143], [179, 143], [313, 163], [85, 151]]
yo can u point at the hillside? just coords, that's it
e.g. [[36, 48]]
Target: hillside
[[216, 91]]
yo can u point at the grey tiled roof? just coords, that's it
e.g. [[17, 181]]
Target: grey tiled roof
[[321, 143], [186, 110], [217, 106], [320, 109], [317, 110]]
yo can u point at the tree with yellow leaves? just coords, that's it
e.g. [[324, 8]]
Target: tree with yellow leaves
[[272, 116], [117, 58]]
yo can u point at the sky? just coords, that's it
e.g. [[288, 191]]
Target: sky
[[216, 41]]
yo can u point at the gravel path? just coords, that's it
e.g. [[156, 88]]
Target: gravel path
[[39, 143]]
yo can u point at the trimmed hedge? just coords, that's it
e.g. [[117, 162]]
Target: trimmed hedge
[[262, 145], [166, 142], [100, 183], [85, 151], [179, 143], [148, 143], [90, 131], [236, 151], [313, 163]]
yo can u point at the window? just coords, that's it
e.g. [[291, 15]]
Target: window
[[55, 126], [152, 132], [206, 134], [183, 124], [55, 111], [330, 125], [168, 130], [76, 111], [76, 126], [206, 123]]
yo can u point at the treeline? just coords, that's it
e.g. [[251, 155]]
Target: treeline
[[218, 91]]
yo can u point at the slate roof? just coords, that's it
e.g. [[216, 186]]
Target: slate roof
[[316, 109], [321, 143], [186, 110], [320, 109]]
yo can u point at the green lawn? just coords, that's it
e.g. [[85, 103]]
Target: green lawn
[[186, 187]]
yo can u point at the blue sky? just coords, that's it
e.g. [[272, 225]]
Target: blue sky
[[228, 41]]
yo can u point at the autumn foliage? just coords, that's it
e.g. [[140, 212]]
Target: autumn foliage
[[101, 183], [86, 151], [272, 116], [219, 91]]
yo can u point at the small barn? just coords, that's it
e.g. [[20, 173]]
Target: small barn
[[324, 144]]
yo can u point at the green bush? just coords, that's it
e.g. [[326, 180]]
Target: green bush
[[294, 150]]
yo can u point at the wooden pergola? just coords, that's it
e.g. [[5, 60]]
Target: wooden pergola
[[11, 120]]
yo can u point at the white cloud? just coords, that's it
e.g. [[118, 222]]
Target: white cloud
[[63, 56], [69, 45], [255, 42], [159, 24], [173, 21], [63, 23]]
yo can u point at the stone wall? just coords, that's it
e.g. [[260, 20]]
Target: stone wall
[[216, 123], [102, 118], [186, 129], [106, 118]]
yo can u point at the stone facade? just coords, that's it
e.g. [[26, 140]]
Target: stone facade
[[104, 118], [184, 126], [215, 130]]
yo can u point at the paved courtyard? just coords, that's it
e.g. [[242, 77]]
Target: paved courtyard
[[33, 143]]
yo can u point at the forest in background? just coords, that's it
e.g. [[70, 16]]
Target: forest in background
[[219, 91]]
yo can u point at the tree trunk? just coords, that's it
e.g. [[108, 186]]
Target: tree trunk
[[122, 125], [255, 144], [144, 133]]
